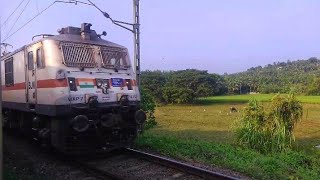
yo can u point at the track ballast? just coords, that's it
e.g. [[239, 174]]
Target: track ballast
[[134, 164]]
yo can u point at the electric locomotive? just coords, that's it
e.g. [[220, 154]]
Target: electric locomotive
[[74, 91]]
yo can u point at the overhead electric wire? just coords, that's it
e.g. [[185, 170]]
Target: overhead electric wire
[[18, 18], [105, 14], [70, 1], [4, 23]]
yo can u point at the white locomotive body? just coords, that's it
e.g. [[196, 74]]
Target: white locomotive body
[[73, 90]]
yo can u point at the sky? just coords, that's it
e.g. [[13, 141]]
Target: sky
[[214, 35]]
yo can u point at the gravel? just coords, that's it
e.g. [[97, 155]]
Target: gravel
[[31, 162]]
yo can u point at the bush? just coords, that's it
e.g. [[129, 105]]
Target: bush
[[269, 132], [149, 106]]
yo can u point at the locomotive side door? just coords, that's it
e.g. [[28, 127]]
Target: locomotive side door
[[31, 85]]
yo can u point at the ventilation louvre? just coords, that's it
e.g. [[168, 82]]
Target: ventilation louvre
[[78, 55]]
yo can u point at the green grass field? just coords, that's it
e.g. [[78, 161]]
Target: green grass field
[[260, 97], [203, 133]]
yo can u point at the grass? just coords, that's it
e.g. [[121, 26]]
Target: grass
[[213, 123], [292, 165], [203, 133], [259, 97]]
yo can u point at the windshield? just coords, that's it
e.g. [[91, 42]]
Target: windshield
[[114, 57]]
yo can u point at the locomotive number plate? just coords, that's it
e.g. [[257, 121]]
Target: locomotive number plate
[[117, 82], [132, 97]]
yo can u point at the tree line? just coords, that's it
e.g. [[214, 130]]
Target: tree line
[[301, 77], [184, 86]]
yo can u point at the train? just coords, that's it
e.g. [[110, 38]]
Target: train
[[73, 91]]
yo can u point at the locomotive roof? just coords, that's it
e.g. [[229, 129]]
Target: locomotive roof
[[78, 39], [69, 38]]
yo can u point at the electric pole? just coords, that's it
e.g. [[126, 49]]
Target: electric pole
[[136, 33], [1, 122]]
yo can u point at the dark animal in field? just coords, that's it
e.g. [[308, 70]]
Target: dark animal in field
[[233, 109]]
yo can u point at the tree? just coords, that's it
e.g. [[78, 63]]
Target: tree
[[153, 82], [182, 86]]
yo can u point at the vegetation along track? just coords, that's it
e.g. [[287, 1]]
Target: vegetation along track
[[133, 164]]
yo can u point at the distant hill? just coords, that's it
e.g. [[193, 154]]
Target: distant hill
[[300, 76]]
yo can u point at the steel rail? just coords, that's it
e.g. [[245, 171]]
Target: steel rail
[[95, 171], [204, 173]]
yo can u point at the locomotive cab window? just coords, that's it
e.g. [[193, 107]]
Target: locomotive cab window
[[40, 59], [30, 61], [9, 72], [114, 57]]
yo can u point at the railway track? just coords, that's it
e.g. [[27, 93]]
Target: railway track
[[121, 164], [133, 164]]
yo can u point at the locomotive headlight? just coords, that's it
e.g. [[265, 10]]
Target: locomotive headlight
[[80, 123]]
